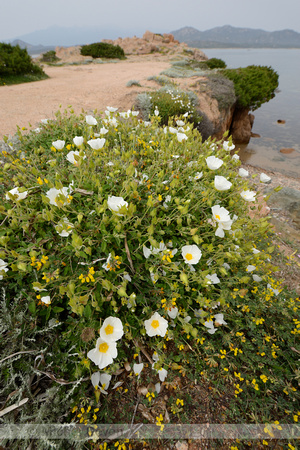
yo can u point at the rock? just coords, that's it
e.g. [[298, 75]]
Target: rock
[[281, 121], [241, 126], [287, 151]]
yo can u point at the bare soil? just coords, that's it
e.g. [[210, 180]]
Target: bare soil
[[88, 87]]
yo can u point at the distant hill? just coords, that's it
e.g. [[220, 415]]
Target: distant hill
[[32, 49], [228, 36]]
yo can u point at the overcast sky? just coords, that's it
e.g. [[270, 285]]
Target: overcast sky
[[19, 17]]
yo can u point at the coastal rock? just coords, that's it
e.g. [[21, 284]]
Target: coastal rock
[[287, 151], [241, 126], [281, 121]]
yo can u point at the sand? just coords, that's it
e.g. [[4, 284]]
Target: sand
[[90, 87]]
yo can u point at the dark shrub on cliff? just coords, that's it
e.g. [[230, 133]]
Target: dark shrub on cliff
[[16, 61], [254, 85], [103, 50], [215, 63]]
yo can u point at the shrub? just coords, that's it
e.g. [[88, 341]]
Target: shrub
[[144, 233], [169, 101], [254, 85], [16, 61], [103, 50], [133, 83], [49, 56], [215, 63], [220, 88]]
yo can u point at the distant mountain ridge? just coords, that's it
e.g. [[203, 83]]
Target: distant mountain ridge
[[32, 49], [228, 36]]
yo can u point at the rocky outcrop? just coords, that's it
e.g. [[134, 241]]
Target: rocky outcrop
[[155, 43], [241, 126]]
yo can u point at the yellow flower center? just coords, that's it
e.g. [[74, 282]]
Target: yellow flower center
[[109, 329], [218, 217], [155, 323], [189, 256], [103, 347]]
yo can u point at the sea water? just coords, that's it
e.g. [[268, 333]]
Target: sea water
[[265, 151]]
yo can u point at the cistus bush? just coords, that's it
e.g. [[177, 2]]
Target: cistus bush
[[254, 85], [120, 239], [15, 60], [103, 50]]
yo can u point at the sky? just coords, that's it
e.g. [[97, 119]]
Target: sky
[[134, 17]]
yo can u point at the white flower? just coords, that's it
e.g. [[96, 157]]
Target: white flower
[[222, 184], [37, 130], [96, 144], [101, 381], [137, 368], [111, 109], [3, 266], [45, 121], [111, 121], [173, 130], [264, 178], [172, 312], [59, 145], [248, 195], [198, 176], [210, 326], [256, 277], [162, 373], [156, 112], [213, 163], [112, 329], [255, 251], [157, 388], [222, 217], [57, 196], [243, 173], [219, 318], [156, 325], [228, 147], [235, 157], [213, 279], [90, 120], [155, 250], [181, 137], [46, 300], [78, 141], [15, 191], [250, 268], [116, 203], [71, 157], [276, 291], [104, 353], [180, 123], [103, 130], [64, 227], [106, 265], [191, 254]]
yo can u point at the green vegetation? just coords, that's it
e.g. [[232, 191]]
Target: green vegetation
[[254, 85], [145, 234], [170, 102], [103, 50], [16, 66], [215, 63], [49, 57]]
